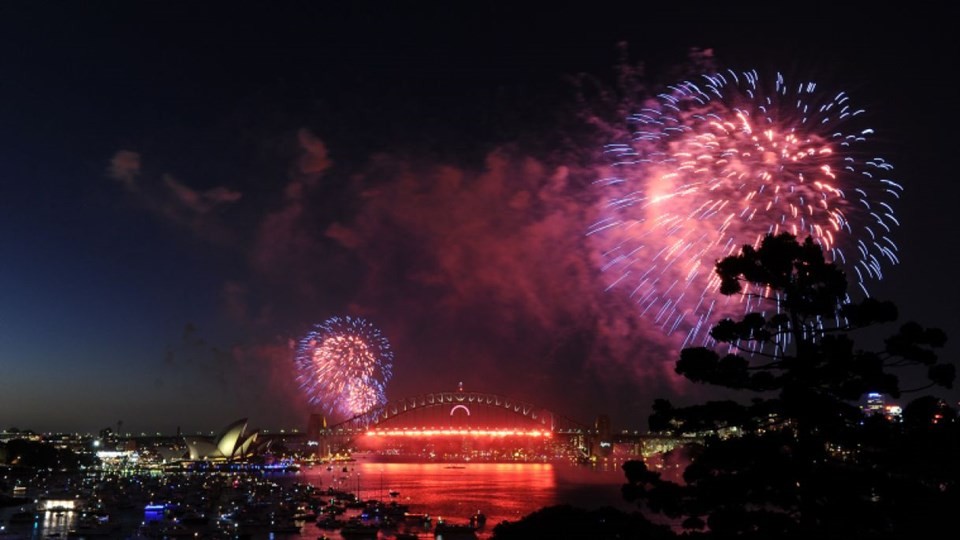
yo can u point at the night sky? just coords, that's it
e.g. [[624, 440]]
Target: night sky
[[187, 187]]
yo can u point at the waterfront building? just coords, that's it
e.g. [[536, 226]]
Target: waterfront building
[[233, 443]]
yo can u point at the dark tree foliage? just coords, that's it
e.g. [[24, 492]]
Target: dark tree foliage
[[41, 455], [800, 460]]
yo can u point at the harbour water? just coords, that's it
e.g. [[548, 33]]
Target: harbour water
[[500, 491], [448, 492]]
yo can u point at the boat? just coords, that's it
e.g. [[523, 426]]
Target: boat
[[359, 530], [60, 502], [478, 520], [86, 530], [330, 522], [305, 516], [177, 530], [417, 518], [284, 528], [394, 493], [454, 530], [333, 510]]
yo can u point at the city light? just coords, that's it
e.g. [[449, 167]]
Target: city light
[[459, 433]]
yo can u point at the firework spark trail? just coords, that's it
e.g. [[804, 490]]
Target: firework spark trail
[[344, 365], [718, 162]]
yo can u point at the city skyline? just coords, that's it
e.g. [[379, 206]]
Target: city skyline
[[188, 190]]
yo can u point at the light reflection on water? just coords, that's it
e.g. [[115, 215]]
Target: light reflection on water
[[501, 491], [57, 523]]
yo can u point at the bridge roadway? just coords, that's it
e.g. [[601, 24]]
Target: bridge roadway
[[479, 425]]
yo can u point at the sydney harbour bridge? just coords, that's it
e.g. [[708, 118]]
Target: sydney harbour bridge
[[480, 426]]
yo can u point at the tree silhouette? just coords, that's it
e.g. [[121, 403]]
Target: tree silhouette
[[800, 459]]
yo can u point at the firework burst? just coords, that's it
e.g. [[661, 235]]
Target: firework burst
[[718, 162], [344, 365]]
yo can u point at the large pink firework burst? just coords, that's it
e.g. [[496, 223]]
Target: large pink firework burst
[[720, 161]]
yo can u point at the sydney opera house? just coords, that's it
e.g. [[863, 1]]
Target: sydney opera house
[[233, 444]]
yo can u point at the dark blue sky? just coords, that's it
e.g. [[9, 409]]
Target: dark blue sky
[[165, 290]]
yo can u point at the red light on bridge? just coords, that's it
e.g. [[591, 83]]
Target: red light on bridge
[[500, 433]]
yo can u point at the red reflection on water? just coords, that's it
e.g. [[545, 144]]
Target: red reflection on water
[[457, 491]]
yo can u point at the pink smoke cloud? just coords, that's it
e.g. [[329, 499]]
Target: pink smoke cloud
[[173, 200], [125, 168], [500, 251], [476, 274], [282, 236], [314, 159], [198, 202]]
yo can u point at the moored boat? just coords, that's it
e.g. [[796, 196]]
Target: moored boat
[[355, 530], [449, 531]]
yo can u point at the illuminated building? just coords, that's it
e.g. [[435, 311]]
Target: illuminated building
[[893, 413], [875, 404], [233, 443]]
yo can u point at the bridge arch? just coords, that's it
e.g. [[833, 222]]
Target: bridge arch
[[459, 409]]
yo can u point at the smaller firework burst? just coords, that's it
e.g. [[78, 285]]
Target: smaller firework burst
[[343, 365]]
